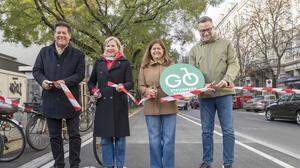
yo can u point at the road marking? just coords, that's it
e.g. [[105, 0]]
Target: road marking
[[50, 164], [273, 159], [48, 156], [134, 113], [43, 160], [266, 144]]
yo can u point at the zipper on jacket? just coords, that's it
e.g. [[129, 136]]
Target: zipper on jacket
[[209, 64], [158, 92]]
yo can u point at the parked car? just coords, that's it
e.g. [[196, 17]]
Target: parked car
[[259, 103], [182, 104], [194, 103], [286, 107], [269, 99], [239, 100]]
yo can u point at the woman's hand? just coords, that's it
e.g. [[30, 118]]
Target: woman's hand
[[119, 88], [97, 94], [151, 93]]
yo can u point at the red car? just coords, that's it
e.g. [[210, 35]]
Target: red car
[[239, 100]]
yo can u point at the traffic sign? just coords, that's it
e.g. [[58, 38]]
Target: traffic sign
[[180, 78]]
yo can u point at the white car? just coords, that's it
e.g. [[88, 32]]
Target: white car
[[259, 103], [182, 104]]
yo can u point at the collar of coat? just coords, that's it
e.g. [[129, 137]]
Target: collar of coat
[[152, 62], [66, 49], [122, 58], [102, 63], [60, 50], [213, 39]]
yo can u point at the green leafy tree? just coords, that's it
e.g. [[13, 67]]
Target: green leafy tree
[[135, 22]]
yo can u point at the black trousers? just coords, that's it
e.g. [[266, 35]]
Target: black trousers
[[55, 133]]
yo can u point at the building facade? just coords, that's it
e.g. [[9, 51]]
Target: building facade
[[236, 16], [9, 63]]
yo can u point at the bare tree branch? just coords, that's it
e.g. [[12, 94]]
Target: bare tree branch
[[59, 9], [43, 18], [43, 5], [272, 38], [105, 26], [154, 15], [87, 48]]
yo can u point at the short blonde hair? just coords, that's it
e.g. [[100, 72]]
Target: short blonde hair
[[112, 38]]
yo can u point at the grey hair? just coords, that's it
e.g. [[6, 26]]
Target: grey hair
[[204, 19]]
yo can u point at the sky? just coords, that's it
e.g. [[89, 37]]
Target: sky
[[212, 12], [28, 55], [23, 55]]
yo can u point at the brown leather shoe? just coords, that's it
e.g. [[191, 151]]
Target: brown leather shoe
[[204, 165]]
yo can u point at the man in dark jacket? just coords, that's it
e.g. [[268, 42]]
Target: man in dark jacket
[[55, 64]]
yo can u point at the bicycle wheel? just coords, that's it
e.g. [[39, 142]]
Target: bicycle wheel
[[86, 120], [64, 131], [37, 133], [97, 149], [13, 139], [1, 146]]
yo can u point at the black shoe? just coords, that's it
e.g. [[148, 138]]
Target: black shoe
[[227, 166], [204, 165]]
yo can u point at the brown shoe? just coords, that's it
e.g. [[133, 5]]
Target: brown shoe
[[204, 165]]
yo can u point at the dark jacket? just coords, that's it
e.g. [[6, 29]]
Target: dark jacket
[[111, 117], [70, 67]]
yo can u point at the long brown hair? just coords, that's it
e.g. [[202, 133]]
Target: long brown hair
[[147, 56]]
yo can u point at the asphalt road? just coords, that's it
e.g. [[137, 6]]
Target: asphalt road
[[259, 144]]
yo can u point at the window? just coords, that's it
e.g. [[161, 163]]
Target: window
[[297, 72], [290, 73], [296, 97], [284, 98]]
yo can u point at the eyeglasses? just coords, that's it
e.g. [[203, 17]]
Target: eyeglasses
[[205, 30]]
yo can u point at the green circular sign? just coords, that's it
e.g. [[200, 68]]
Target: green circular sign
[[180, 78]]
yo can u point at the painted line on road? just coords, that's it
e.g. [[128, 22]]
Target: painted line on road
[[50, 164], [134, 113], [43, 160], [266, 144], [267, 156], [48, 156]]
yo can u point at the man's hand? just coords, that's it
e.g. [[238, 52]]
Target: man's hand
[[47, 84], [221, 84], [57, 83]]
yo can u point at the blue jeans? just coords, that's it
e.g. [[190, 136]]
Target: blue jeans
[[113, 151], [161, 131], [208, 108]]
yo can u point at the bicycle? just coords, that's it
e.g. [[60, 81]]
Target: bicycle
[[97, 150], [37, 133], [86, 118], [12, 137], [178, 81], [36, 129]]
